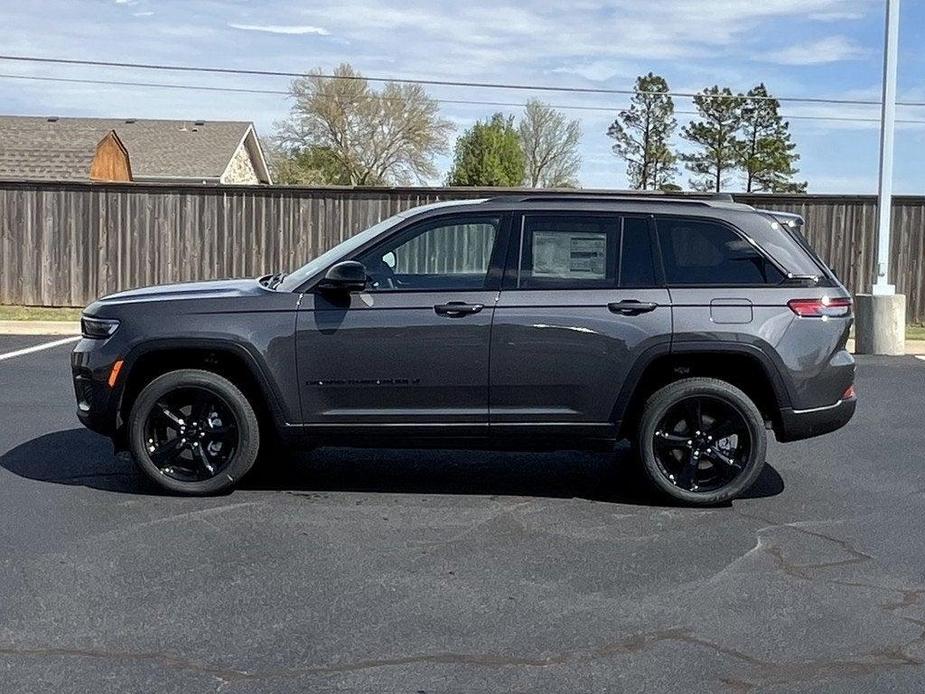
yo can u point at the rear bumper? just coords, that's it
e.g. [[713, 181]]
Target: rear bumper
[[804, 424]]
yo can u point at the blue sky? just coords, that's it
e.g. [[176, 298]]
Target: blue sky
[[798, 48]]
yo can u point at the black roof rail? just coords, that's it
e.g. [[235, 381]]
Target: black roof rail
[[631, 195]]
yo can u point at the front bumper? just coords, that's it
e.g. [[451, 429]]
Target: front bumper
[[803, 424], [97, 402]]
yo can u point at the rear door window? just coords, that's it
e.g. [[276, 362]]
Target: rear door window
[[701, 252], [582, 251]]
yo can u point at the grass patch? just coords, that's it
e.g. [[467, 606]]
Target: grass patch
[[39, 313], [915, 332]]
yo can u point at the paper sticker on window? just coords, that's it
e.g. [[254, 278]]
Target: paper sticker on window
[[563, 254]]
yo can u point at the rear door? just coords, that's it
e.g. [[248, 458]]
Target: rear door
[[581, 301]]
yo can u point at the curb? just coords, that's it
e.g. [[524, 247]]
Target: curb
[[39, 327], [913, 347]]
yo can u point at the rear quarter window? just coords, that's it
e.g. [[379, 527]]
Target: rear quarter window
[[701, 252]]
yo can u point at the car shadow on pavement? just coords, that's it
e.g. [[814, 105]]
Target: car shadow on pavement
[[77, 457], [80, 457]]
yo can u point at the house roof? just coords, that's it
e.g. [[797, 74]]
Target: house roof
[[62, 148]]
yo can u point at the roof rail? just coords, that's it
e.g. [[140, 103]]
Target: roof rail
[[628, 195]]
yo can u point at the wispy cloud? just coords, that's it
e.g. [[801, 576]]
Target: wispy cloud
[[597, 70], [831, 49], [836, 15], [297, 29]]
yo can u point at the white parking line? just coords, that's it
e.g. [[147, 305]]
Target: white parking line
[[38, 348], [920, 356]]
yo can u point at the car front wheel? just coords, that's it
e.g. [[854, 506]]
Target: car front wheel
[[193, 432], [702, 441]]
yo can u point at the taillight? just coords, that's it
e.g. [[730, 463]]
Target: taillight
[[826, 307]]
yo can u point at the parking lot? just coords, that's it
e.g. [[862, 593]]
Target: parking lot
[[398, 571]]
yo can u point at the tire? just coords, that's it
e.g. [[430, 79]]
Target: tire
[[235, 439], [678, 450]]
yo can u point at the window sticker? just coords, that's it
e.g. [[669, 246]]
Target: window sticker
[[570, 255]]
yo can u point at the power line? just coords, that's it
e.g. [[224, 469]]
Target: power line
[[429, 82], [464, 102]]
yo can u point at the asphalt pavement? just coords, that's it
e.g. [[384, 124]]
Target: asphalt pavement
[[459, 571]]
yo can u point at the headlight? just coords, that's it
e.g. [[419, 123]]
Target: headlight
[[97, 328]]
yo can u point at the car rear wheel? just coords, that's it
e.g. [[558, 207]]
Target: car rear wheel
[[702, 441], [193, 432]]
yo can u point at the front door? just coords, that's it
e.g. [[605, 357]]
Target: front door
[[581, 301], [411, 350]]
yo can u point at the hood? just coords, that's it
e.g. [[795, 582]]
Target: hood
[[216, 289]]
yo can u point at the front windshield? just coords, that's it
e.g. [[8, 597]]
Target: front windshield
[[293, 280]]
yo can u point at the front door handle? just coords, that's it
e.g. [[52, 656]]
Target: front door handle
[[631, 307], [455, 309]]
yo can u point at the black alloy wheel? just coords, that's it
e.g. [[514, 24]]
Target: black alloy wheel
[[702, 441], [191, 434]]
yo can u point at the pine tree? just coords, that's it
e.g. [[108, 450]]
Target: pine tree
[[766, 152], [642, 135], [718, 152]]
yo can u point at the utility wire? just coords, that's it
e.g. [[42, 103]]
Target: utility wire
[[464, 102], [430, 82]]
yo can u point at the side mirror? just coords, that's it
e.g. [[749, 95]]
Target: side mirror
[[346, 276]]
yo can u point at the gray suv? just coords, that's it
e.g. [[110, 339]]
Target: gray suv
[[551, 321]]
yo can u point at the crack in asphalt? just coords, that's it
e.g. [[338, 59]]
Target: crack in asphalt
[[766, 672], [762, 672], [909, 596]]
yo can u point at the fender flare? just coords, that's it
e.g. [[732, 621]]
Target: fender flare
[[779, 385], [253, 363]]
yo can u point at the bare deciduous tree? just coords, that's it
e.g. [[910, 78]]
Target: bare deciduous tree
[[385, 137], [550, 144]]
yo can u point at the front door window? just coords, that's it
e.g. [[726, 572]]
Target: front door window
[[443, 255]]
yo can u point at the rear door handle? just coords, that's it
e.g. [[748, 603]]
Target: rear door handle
[[455, 309], [632, 307]]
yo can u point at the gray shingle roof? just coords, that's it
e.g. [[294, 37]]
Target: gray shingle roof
[[62, 149]]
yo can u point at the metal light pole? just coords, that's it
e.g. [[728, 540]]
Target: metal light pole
[[887, 125], [881, 315]]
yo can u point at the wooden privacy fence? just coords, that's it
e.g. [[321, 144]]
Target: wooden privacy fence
[[64, 244]]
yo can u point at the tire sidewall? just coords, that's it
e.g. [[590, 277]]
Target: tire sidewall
[[666, 398], [246, 421]]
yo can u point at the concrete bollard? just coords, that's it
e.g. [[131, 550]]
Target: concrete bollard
[[880, 324]]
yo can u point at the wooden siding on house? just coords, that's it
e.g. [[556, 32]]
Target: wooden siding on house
[[65, 244]]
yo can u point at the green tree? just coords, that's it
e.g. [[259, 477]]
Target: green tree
[[642, 135], [715, 137], [489, 154], [766, 152], [311, 166], [356, 134], [550, 145]]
